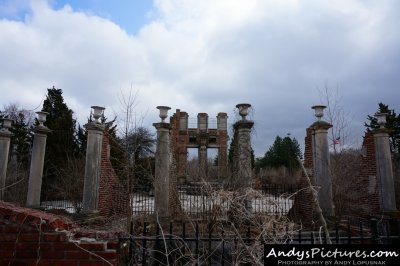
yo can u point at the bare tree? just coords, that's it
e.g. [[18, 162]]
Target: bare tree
[[340, 134], [136, 141], [345, 156], [70, 186]]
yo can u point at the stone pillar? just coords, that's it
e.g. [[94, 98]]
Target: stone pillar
[[322, 177], [202, 127], [183, 121], [93, 160], [37, 161], [222, 125], [202, 155], [384, 166], [162, 165], [202, 122], [5, 136], [242, 156]]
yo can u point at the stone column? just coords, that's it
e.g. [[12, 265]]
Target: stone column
[[242, 156], [242, 175], [93, 160], [37, 162], [322, 177], [202, 168], [202, 122], [222, 122], [5, 136], [162, 165], [202, 127], [384, 166]]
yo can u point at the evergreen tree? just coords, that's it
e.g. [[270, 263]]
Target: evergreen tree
[[283, 152], [21, 140], [140, 143], [61, 142], [392, 123], [81, 139]]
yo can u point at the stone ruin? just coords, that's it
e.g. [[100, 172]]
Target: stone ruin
[[374, 185], [201, 137]]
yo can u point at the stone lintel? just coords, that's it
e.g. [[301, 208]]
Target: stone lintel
[[247, 124], [321, 125]]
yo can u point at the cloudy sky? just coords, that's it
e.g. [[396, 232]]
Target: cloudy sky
[[205, 56]]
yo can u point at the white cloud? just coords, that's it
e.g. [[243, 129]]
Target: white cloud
[[207, 56]]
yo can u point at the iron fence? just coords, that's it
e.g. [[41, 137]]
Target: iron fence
[[142, 201], [61, 204], [196, 201], [199, 244], [200, 201]]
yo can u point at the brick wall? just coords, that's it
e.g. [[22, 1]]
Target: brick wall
[[193, 137], [32, 237], [303, 206], [366, 201], [175, 205], [113, 196]]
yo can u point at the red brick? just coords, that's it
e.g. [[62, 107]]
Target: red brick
[[77, 255], [66, 263], [94, 263], [65, 246], [6, 254], [54, 237], [23, 262], [85, 234], [28, 237], [96, 246], [52, 254], [26, 254], [105, 255], [11, 228], [32, 246], [8, 237], [47, 263], [7, 246], [112, 245], [59, 224]]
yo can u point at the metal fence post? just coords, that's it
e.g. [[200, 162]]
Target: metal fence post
[[374, 231]]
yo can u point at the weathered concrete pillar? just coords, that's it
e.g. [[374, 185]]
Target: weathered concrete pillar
[[5, 136], [162, 165], [384, 166], [37, 161], [242, 156], [93, 160], [322, 177]]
